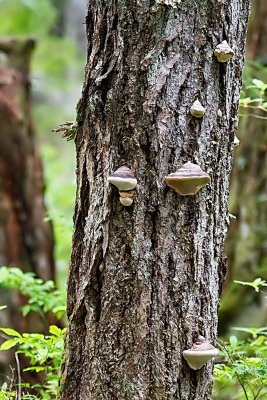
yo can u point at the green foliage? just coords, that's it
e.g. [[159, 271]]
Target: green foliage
[[26, 17], [44, 351], [5, 393], [43, 296], [255, 284], [259, 89], [244, 364], [243, 368], [60, 197], [254, 93], [253, 331]]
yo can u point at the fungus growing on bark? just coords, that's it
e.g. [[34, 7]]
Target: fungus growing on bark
[[126, 198], [219, 113], [124, 179], [236, 141], [197, 110], [188, 179], [200, 353], [223, 52]]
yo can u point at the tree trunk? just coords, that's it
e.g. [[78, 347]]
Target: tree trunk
[[257, 45], [246, 240], [26, 238], [145, 280]]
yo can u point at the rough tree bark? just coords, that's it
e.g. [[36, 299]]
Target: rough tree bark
[[145, 280]]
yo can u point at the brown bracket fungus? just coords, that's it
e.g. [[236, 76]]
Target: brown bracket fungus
[[200, 353], [197, 110], [188, 179], [124, 179], [223, 52]]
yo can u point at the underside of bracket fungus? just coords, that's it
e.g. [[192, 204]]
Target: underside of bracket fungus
[[197, 110], [124, 179], [188, 179], [200, 353], [126, 198], [223, 52]]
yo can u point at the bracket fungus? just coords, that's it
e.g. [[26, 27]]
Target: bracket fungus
[[124, 179], [223, 52], [197, 110], [126, 198], [200, 353], [236, 141], [219, 113], [188, 179]]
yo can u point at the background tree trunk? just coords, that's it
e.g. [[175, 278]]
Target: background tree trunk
[[257, 46], [26, 238], [246, 245], [145, 280]]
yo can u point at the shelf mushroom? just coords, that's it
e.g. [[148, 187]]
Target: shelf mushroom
[[188, 179], [197, 110], [124, 179], [223, 52], [236, 141], [200, 353]]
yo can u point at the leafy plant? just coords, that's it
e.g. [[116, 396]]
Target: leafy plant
[[43, 296], [44, 351], [244, 364], [253, 331], [254, 96], [255, 284]]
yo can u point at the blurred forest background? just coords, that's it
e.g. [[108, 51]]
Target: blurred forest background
[[42, 59]]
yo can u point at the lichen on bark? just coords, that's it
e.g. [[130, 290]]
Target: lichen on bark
[[145, 280]]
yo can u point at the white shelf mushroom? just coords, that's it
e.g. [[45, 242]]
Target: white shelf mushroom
[[200, 353], [223, 52], [124, 179], [197, 110]]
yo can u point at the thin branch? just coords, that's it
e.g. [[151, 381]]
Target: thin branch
[[252, 115], [260, 389], [254, 107], [19, 377], [3, 335], [11, 380], [243, 387], [251, 389]]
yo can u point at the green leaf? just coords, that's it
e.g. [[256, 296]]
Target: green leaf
[[233, 341], [8, 344], [255, 284], [253, 331], [3, 307], [55, 330], [10, 332], [37, 369], [258, 83]]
